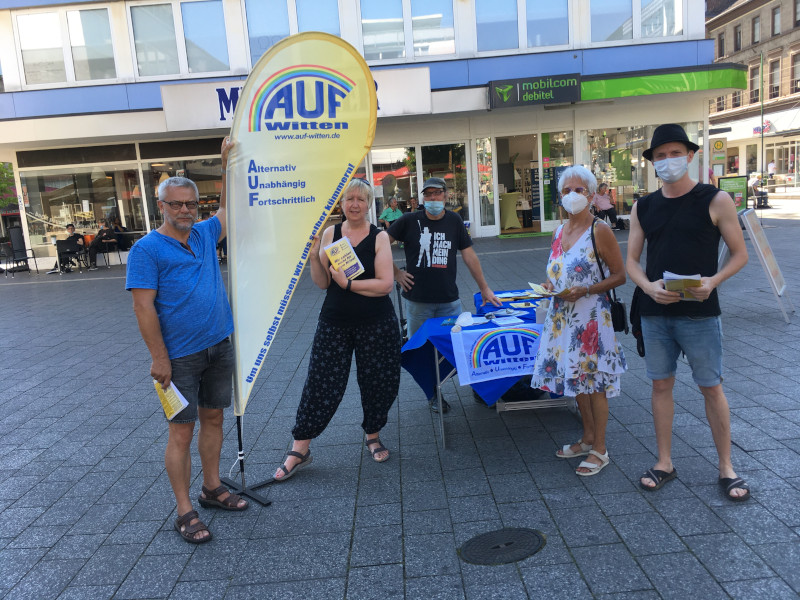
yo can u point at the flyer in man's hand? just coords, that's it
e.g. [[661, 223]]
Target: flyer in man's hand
[[171, 399], [344, 258], [681, 284]]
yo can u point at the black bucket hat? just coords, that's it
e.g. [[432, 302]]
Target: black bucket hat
[[665, 134]]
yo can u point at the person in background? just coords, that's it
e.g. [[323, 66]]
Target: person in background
[[432, 239], [579, 354], [682, 224], [390, 214], [605, 208], [357, 316], [182, 309], [106, 235], [66, 260]]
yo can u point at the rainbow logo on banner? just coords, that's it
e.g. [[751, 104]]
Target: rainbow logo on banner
[[287, 91], [497, 345]]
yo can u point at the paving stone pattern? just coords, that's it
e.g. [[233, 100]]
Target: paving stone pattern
[[86, 510]]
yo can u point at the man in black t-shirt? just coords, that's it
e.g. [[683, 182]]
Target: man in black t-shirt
[[432, 239], [682, 224]]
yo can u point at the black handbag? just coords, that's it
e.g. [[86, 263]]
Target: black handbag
[[619, 317], [636, 320]]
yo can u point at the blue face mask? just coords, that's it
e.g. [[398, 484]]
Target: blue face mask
[[434, 207]]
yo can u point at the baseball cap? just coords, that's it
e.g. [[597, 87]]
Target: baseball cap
[[434, 182]]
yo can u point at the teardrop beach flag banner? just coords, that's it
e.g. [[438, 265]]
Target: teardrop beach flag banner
[[304, 121]]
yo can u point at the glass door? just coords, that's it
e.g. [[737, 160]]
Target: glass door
[[449, 162]]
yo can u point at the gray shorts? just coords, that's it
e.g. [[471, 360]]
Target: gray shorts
[[205, 379]]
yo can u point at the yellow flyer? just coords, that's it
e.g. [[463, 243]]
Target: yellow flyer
[[344, 258], [171, 399]]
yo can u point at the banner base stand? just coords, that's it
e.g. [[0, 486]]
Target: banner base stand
[[238, 488]]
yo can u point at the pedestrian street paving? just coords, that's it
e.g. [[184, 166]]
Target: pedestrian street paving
[[86, 510]]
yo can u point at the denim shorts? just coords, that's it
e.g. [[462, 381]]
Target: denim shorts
[[205, 379], [700, 338]]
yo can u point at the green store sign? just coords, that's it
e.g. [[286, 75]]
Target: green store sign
[[547, 89]]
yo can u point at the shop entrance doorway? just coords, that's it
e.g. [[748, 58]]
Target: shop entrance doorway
[[518, 184]]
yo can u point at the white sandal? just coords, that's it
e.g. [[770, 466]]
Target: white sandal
[[565, 451], [593, 468]]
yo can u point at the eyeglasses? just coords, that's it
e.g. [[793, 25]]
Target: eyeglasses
[[174, 205], [432, 193], [566, 190]]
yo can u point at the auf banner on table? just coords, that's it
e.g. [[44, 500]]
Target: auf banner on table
[[486, 354], [304, 121]]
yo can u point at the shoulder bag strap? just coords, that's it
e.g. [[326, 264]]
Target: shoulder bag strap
[[610, 292]]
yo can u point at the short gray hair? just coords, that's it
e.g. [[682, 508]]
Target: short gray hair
[[178, 182], [582, 173], [361, 186]]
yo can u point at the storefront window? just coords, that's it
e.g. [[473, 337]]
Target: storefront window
[[432, 26], [485, 184], [548, 22], [154, 39], [449, 162], [557, 154], [611, 20], [41, 46], [497, 24], [83, 196], [382, 29], [752, 158], [204, 36], [616, 159], [318, 15], [267, 24], [394, 174]]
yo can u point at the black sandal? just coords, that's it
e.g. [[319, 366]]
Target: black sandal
[[305, 460], [732, 483], [380, 448], [658, 476], [188, 531]]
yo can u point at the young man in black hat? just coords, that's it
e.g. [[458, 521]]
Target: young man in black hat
[[432, 239], [682, 224]]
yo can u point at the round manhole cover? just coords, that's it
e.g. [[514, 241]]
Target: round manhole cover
[[502, 546]]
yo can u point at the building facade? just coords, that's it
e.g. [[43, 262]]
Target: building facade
[[760, 125], [102, 100]]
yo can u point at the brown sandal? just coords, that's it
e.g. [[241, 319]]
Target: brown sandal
[[211, 499], [188, 531]]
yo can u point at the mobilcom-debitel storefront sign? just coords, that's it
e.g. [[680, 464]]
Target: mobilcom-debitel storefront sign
[[544, 89]]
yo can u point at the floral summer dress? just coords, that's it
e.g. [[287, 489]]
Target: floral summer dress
[[578, 351]]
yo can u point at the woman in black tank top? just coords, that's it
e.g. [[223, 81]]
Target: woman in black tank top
[[357, 316]]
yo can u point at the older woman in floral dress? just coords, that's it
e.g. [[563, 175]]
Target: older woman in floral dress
[[578, 352]]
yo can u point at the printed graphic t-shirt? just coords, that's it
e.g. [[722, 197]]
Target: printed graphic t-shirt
[[431, 248]]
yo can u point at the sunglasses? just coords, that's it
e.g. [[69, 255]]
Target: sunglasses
[[580, 190]]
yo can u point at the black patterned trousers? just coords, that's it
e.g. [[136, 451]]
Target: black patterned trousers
[[377, 349]]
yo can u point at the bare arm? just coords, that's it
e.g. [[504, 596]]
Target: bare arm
[[474, 266], [318, 260], [381, 284], [724, 216], [145, 310], [227, 144]]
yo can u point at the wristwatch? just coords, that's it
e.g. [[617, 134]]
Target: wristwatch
[[587, 291], [349, 283]]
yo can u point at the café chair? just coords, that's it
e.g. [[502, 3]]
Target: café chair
[[110, 246], [20, 254], [67, 250]]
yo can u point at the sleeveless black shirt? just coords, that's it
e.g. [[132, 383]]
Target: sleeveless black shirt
[[342, 307], [685, 245]]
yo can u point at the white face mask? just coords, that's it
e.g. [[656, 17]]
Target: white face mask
[[670, 170], [574, 202]]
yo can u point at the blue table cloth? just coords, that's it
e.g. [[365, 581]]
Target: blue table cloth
[[418, 355]]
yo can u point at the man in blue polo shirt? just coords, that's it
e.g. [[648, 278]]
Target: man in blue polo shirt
[[185, 320]]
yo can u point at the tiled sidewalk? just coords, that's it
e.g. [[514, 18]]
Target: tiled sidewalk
[[86, 510]]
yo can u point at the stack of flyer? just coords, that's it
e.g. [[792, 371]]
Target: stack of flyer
[[681, 284], [171, 399], [343, 258]]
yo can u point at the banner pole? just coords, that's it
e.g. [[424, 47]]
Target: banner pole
[[242, 489]]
